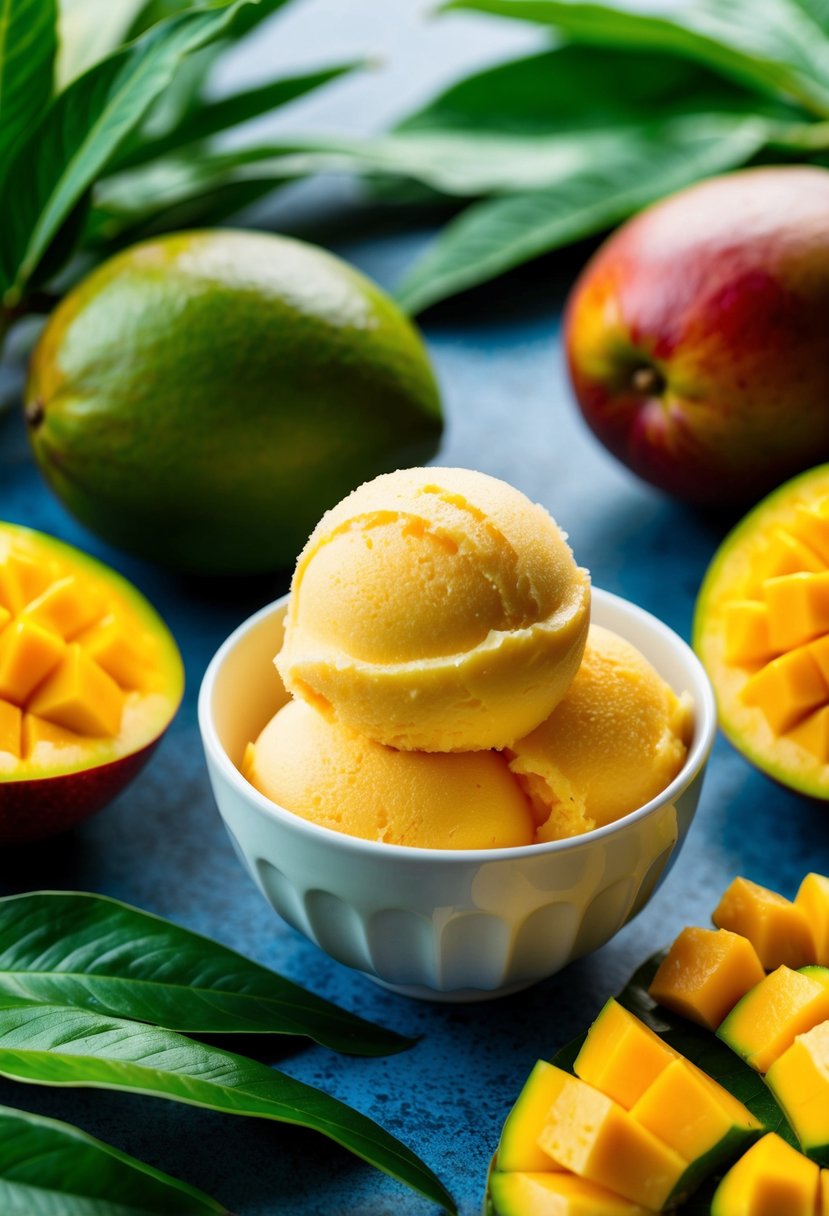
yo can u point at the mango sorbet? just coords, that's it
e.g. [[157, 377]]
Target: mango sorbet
[[615, 741], [326, 772], [436, 610]]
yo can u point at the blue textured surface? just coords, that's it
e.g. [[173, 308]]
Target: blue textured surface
[[162, 847]]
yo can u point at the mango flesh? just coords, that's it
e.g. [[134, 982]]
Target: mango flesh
[[622, 1056], [771, 1179], [777, 928], [201, 398], [705, 973], [89, 680], [813, 899], [765, 1022], [528, 1194], [590, 1135], [761, 629], [799, 1080]]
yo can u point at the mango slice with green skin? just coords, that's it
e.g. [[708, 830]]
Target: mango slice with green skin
[[518, 1148], [813, 900], [765, 1022], [799, 1080], [90, 678], [705, 973], [761, 629], [777, 928], [771, 1179], [539, 1194]]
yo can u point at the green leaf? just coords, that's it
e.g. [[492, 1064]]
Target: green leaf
[[493, 236], [577, 88], [96, 953], [83, 130], [59, 1045], [90, 30], [28, 43], [213, 117], [777, 47], [52, 1167]]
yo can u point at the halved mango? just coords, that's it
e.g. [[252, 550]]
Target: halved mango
[[761, 628], [765, 1022], [705, 973], [777, 929], [90, 678], [771, 1179]]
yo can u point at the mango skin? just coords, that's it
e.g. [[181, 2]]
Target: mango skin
[[200, 399], [43, 807], [696, 336]]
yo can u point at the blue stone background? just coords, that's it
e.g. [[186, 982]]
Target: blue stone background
[[161, 844]]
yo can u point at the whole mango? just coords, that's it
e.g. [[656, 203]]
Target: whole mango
[[696, 336], [200, 399]]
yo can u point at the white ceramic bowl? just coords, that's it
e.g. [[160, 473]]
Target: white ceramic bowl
[[438, 923]]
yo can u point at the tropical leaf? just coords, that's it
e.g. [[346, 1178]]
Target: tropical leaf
[[81, 132], [779, 47], [28, 44], [89, 31], [586, 88], [213, 117], [49, 1167], [59, 1045], [495, 235], [96, 953]]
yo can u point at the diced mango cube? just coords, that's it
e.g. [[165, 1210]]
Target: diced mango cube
[[108, 643], [813, 900], [591, 1135], [559, 1194], [683, 1108], [799, 1080], [11, 721], [27, 655], [80, 697], [65, 607], [22, 578], [771, 1179], [705, 973], [785, 554], [798, 607], [811, 525], [36, 731], [622, 1056], [518, 1148], [812, 733], [776, 928], [747, 635], [766, 1021], [786, 689]]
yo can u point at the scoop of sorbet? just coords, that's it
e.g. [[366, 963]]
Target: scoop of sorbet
[[328, 773], [436, 610], [615, 741]]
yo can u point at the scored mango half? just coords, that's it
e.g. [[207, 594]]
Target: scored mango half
[[90, 677], [761, 629]]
